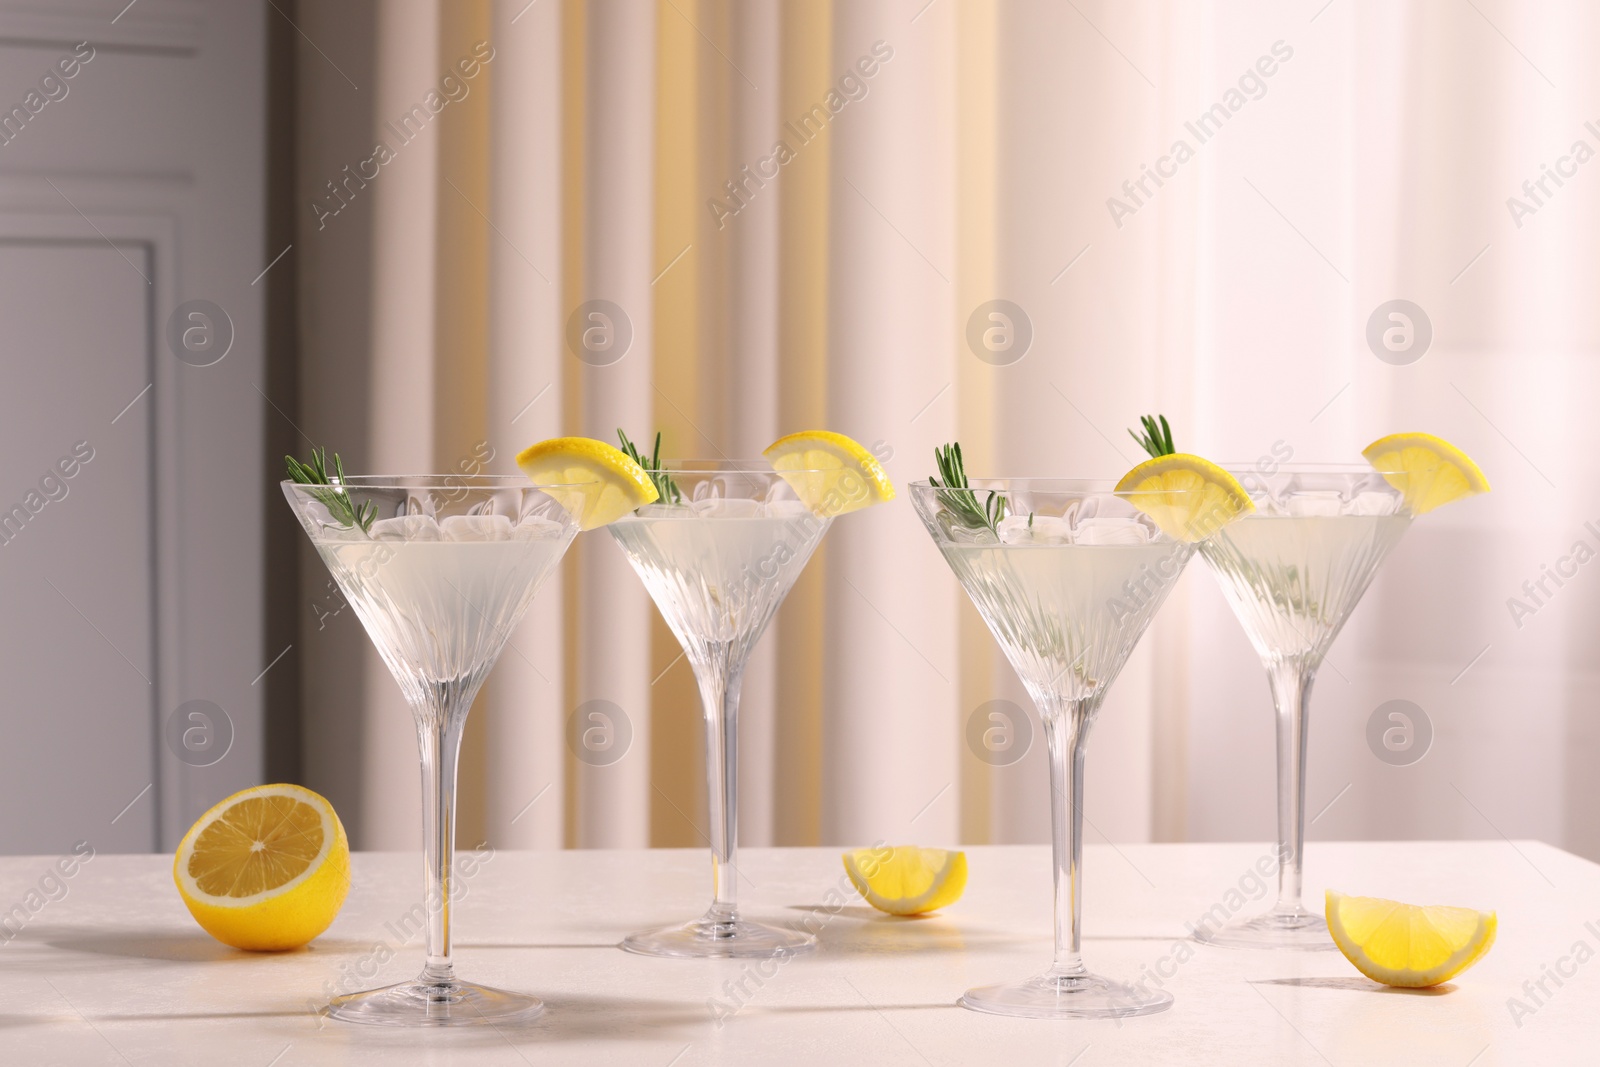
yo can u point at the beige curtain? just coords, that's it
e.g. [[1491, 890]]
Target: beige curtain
[[937, 156]]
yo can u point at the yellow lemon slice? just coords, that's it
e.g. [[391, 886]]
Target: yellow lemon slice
[[829, 472], [615, 484], [267, 869], [907, 880], [1188, 497], [1407, 945], [1428, 470]]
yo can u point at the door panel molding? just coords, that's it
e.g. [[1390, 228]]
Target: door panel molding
[[155, 236], [183, 184]]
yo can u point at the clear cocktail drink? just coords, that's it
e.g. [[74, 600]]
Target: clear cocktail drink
[[717, 565], [1067, 581], [439, 570], [1293, 571]]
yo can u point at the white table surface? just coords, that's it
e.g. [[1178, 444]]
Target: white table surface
[[116, 971]]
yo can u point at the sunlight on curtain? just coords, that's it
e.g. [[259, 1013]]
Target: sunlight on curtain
[[626, 151]]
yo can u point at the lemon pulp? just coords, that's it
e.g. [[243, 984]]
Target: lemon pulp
[[1427, 470], [596, 483], [267, 869], [906, 879], [1188, 497], [829, 472], [1407, 944]]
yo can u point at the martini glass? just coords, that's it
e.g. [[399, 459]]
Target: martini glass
[[718, 561], [440, 579], [1067, 584], [1293, 571]]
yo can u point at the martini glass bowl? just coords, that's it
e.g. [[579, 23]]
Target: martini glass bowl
[[440, 569]]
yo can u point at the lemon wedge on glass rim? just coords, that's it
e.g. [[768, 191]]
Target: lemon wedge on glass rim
[[829, 472], [266, 869], [601, 484], [1188, 497], [1429, 471], [907, 880], [1407, 945]]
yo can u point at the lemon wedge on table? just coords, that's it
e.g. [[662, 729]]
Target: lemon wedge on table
[[616, 484], [1428, 470], [907, 880], [266, 869], [1188, 497], [1407, 945], [829, 472]]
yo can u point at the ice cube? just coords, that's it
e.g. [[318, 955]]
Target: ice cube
[[960, 534], [316, 514], [332, 531], [1112, 530], [1034, 530], [476, 528], [786, 509], [406, 528], [534, 528], [727, 508], [421, 502], [1268, 504], [499, 502], [1372, 503], [1014, 531], [1051, 530], [1315, 503]]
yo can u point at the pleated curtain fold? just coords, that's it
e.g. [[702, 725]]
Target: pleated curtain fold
[[789, 214]]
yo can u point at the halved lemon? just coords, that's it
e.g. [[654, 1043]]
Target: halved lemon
[[1407, 945], [1188, 497], [267, 869], [615, 484], [907, 880], [829, 472], [1428, 470]]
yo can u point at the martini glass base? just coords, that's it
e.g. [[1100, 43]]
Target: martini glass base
[[1056, 996], [1292, 929], [420, 1003], [727, 939]]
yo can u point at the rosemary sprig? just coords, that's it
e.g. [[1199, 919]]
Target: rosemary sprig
[[666, 488], [337, 501], [959, 498], [1157, 437]]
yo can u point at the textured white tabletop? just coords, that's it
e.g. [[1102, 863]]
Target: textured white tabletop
[[115, 971]]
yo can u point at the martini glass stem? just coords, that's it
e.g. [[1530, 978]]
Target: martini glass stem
[[1066, 732], [719, 673], [440, 716], [1290, 681]]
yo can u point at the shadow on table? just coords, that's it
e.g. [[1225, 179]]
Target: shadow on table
[[133, 943], [475, 945], [187, 947], [1356, 985], [567, 1018], [856, 930], [191, 1016], [73, 1016], [200, 947]]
